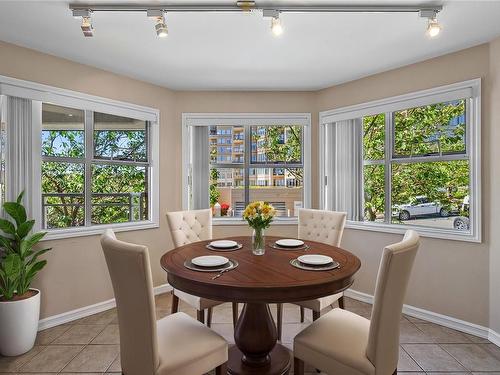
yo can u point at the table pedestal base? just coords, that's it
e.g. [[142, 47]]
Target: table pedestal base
[[279, 363], [256, 351]]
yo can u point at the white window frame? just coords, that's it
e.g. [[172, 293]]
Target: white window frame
[[468, 89], [39, 94], [246, 119]]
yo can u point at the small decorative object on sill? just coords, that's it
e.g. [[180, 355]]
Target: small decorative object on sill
[[259, 216], [217, 209]]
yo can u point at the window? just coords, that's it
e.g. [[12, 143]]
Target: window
[[258, 162], [94, 169], [418, 166], [84, 162]]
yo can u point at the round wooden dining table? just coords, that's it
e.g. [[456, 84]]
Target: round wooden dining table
[[258, 281]]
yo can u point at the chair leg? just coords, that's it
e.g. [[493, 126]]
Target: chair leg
[[175, 304], [279, 313], [235, 313], [316, 315], [341, 302], [302, 314], [209, 317], [298, 366], [395, 372], [222, 369], [201, 316]]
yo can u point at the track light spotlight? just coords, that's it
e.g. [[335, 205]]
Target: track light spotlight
[[276, 26], [87, 28], [433, 26], [161, 27], [86, 15]]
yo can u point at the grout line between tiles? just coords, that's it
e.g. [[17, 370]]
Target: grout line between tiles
[[413, 359]]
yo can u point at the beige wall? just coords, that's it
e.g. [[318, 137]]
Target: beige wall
[[492, 178], [450, 277]]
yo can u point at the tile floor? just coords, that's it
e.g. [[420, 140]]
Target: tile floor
[[90, 345]]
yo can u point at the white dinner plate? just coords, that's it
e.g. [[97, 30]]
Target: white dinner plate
[[289, 242], [315, 259], [223, 244], [209, 261]]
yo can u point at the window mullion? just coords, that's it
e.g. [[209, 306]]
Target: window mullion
[[388, 150], [89, 155], [248, 153]]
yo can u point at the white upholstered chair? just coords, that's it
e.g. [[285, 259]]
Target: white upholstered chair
[[320, 226], [341, 342], [176, 344], [187, 227]]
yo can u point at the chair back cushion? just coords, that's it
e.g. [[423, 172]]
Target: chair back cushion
[[130, 272], [321, 226], [392, 281], [190, 226]]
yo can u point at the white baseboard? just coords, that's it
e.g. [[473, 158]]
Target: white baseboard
[[83, 312], [444, 320], [429, 316], [494, 337]]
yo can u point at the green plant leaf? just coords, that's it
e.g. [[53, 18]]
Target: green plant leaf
[[25, 228], [7, 227], [7, 287], [20, 197], [31, 272], [6, 244], [11, 265], [16, 211], [26, 245], [37, 254]]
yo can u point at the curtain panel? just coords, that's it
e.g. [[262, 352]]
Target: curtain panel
[[344, 167], [17, 117], [200, 168]]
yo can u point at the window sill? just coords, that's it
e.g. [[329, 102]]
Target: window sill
[[238, 221], [466, 236], [55, 234]]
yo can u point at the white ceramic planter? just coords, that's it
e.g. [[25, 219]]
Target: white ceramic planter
[[19, 325]]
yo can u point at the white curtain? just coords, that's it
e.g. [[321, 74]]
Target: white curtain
[[18, 118], [200, 167], [344, 167]]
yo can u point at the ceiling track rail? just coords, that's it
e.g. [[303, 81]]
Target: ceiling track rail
[[242, 6]]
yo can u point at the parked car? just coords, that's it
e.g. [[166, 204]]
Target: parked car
[[420, 206], [462, 222]]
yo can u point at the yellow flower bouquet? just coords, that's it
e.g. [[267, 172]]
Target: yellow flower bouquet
[[259, 216]]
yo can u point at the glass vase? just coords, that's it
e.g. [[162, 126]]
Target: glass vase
[[258, 241]]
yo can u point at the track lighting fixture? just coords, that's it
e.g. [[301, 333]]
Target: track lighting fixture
[[157, 11], [433, 26]]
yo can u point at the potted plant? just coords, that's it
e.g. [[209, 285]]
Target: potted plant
[[19, 263], [259, 216]]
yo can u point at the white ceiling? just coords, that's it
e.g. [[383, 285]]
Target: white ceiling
[[236, 51]]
